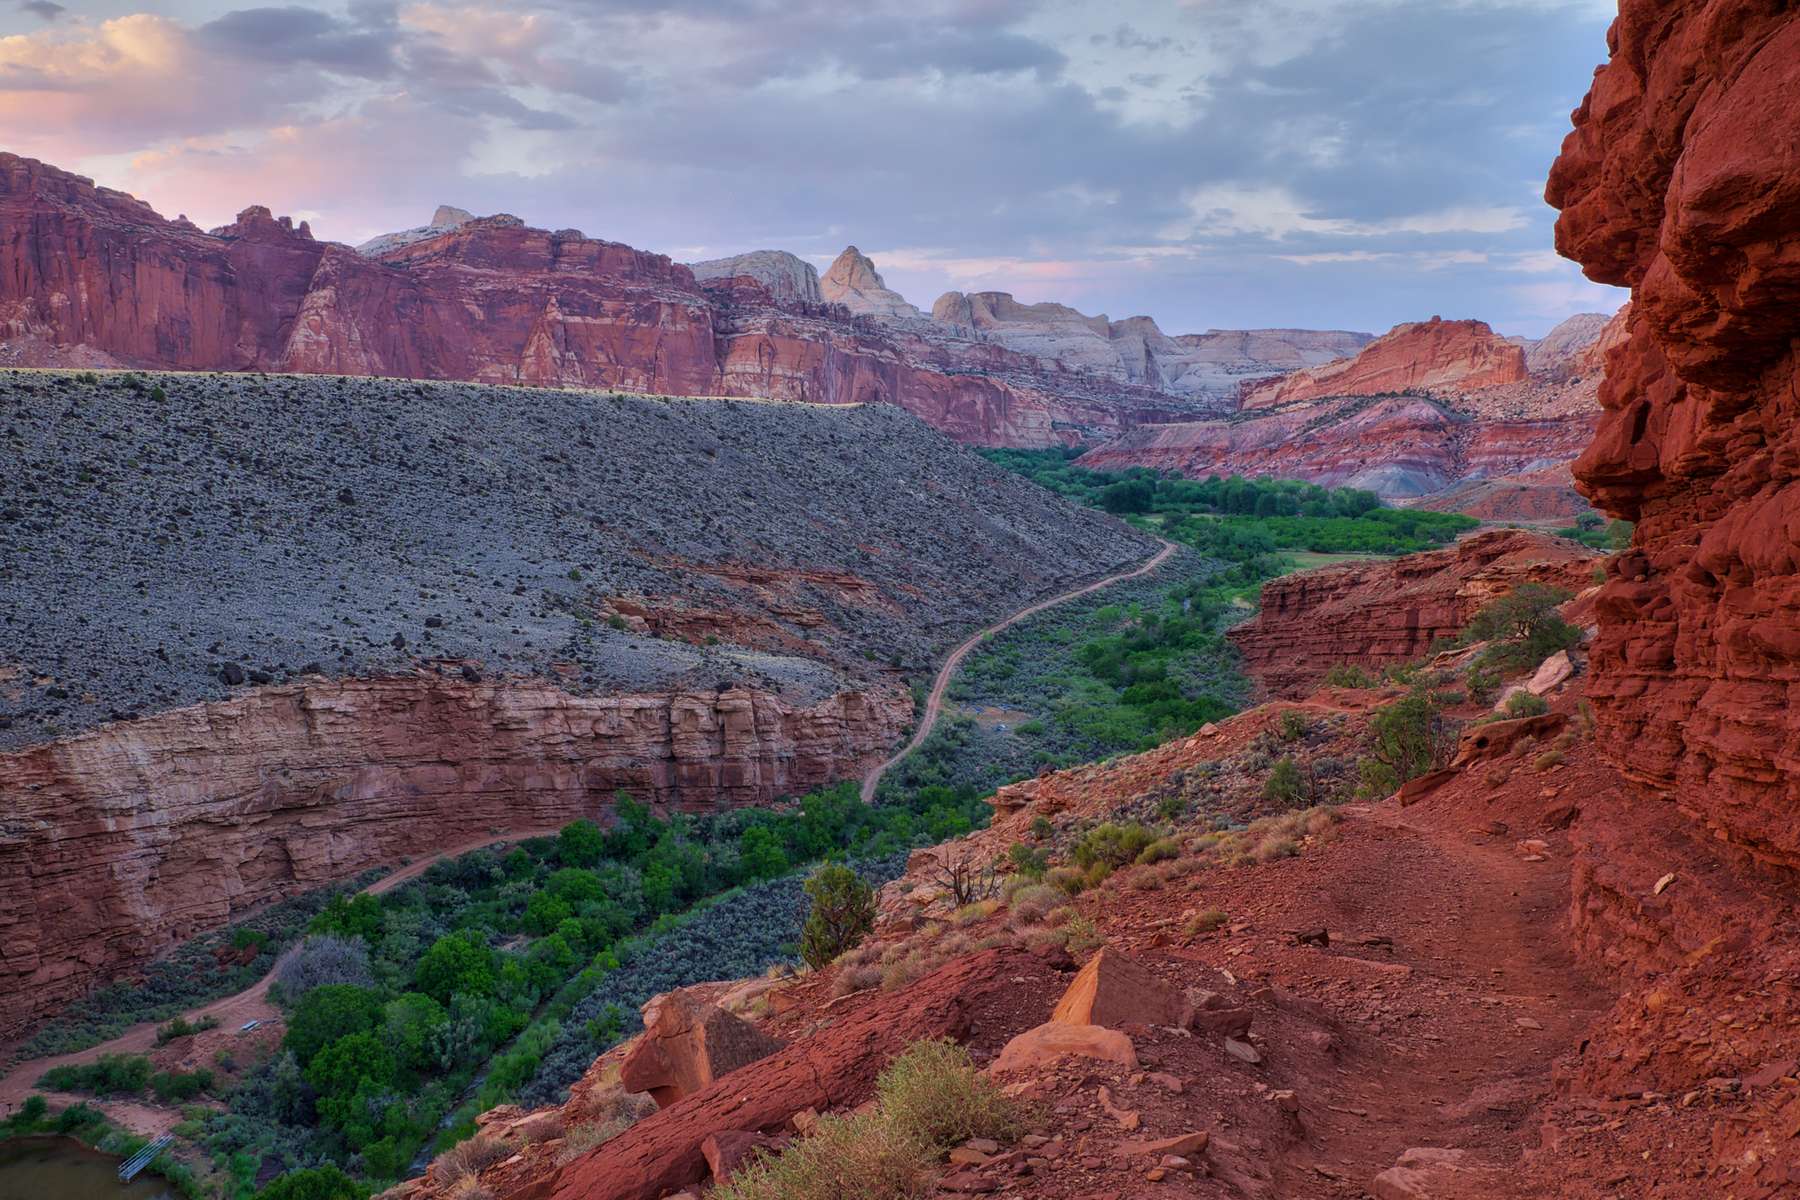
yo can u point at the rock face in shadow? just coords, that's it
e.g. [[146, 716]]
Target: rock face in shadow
[[120, 842], [1673, 184], [1391, 610]]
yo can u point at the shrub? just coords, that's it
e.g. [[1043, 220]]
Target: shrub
[[1066, 880], [933, 1092], [467, 1158], [1524, 627], [1285, 785], [1027, 861], [846, 1158], [312, 1183], [325, 959], [1041, 829], [1172, 808], [1205, 922], [108, 1075], [1080, 934], [181, 1027], [328, 1013], [1375, 779], [1349, 675], [843, 912], [1033, 904], [1482, 683], [1294, 725], [1112, 845], [1161, 850], [181, 1085], [1524, 704], [1410, 736]]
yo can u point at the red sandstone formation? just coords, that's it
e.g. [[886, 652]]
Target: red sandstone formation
[[122, 841], [92, 276], [1673, 183], [1434, 355], [834, 1067], [686, 1045], [1390, 611]]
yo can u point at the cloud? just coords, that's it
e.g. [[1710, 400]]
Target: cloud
[[1343, 163], [43, 9]]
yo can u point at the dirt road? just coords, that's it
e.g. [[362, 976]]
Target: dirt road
[[251, 1004], [934, 703]]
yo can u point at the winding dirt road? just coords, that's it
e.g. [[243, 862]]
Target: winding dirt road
[[934, 703], [251, 1004]]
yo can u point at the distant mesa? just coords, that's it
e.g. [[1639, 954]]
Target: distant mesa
[[787, 278], [446, 217]]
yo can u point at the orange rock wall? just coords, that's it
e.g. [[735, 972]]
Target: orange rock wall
[[1390, 611], [1679, 181], [1422, 356], [120, 842]]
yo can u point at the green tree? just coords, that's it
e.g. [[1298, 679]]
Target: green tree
[[311, 1183], [328, 1013], [352, 1076], [580, 844], [843, 912], [1286, 785], [760, 854], [351, 916], [457, 963], [1409, 736], [413, 1024]]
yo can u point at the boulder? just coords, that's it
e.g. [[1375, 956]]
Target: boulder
[[1431, 1173], [1551, 674], [1115, 991], [1054, 1041], [686, 1045]]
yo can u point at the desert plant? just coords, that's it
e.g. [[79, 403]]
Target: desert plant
[[843, 912], [1028, 861], [325, 959], [1161, 850], [1294, 725], [1112, 845], [965, 876], [1411, 736], [1349, 675], [1286, 784], [1066, 880], [1524, 704], [933, 1092], [1204, 921]]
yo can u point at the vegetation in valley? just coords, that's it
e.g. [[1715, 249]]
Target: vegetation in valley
[[1594, 530], [1235, 518], [200, 970]]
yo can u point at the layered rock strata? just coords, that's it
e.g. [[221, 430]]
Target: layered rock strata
[[119, 842], [1673, 184], [1390, 611]]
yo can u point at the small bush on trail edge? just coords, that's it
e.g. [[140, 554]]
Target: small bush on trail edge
[[1375, 779], [1294, 725], [928, 1099], [1029, 862], [181, 1027], [1411, 737], [843, 912]]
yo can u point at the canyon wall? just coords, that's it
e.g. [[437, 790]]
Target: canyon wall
[[117, 843], [93, 277], [1673, 183], [1424, 355], [1391, 610]]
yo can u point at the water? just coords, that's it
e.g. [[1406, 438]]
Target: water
[[58, 1168]]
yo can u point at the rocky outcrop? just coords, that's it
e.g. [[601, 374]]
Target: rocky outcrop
[[1401, 447], [1211, 366], [1390, 611], [835, 1067], [1429, 355], [686, 1045], [1569, 347], [1673, 184], [119, 842], [446, 217], [782, 278], [853, 282]]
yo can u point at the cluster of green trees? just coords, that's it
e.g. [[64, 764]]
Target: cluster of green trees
[[1593, 530], [1241, 520], [403, 1006]]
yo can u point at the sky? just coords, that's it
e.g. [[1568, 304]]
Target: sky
[[1344, 164]]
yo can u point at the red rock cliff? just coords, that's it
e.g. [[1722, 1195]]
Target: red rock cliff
[[120, 842], [86, 273], [1390, 611], [1681, 180], [1424, 355]]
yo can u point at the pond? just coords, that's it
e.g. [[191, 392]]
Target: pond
[[58, 1168]]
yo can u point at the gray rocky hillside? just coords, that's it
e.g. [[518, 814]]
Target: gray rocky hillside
[[166, 538]]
